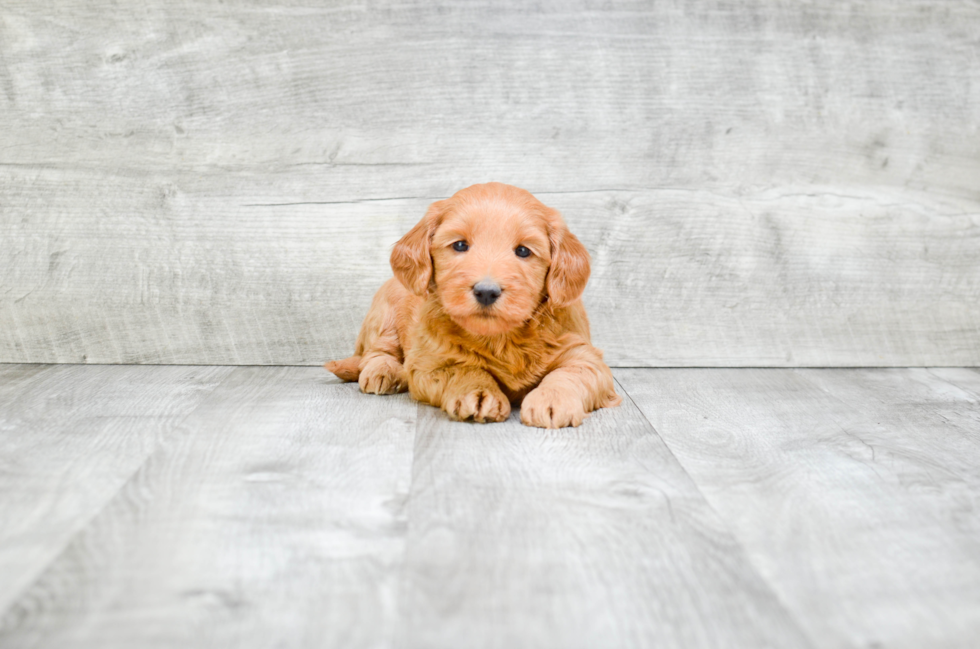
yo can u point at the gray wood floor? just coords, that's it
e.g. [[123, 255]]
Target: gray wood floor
[[271, 506]]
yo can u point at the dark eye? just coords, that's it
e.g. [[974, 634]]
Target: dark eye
[[521, 251], [461, 246]]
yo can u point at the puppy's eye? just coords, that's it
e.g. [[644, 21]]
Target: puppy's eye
[[461, 246], [521, 251]]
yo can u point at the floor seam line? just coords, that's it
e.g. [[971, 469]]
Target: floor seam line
[[402, 568], [102, 508], [745, 553], [968, 390]]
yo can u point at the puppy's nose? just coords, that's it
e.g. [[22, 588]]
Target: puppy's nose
[[486, 293]]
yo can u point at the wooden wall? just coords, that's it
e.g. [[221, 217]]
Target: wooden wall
[[760, 183]]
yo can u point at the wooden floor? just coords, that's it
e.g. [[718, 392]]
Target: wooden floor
[[274, 506]]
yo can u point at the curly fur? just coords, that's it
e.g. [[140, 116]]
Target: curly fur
[[427, 333]]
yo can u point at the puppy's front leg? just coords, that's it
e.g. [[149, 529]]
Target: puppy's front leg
[[381, 373], [580, 383], [463, 392]]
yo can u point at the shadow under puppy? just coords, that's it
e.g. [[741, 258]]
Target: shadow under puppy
[[484, 311]]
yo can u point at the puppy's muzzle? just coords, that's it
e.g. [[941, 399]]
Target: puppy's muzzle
[[486, 293]]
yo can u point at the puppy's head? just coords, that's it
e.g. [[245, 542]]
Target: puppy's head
[[492, 253]]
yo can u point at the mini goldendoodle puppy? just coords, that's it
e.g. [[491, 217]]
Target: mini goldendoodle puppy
[[485, 311]]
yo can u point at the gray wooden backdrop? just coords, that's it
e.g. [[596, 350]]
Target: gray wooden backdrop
[[760, 183]]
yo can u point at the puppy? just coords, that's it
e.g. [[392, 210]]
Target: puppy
[[484, 311]]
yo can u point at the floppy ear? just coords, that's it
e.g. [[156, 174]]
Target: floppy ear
[[570, 268], [410, 259]]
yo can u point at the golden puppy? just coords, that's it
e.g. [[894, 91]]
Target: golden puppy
[[485, 311]]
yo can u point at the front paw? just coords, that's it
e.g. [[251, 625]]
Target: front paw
[[481, 404], [383, 375], [549, 408]]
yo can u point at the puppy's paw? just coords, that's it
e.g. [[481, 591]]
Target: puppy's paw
[[383, 375], [549, 408], [481, 404]]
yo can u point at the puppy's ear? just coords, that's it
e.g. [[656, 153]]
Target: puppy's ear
[[411, 260], [569, 271]]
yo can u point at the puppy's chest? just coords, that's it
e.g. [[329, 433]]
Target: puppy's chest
[[518, 367]]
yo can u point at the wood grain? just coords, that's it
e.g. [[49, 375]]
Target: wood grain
[[588, 537], [760, 183], [258, 506], [194, 272], [274, 516], [853, 491], [962, 377], [70, 437]]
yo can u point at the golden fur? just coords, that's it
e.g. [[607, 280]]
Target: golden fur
[[427, 333]]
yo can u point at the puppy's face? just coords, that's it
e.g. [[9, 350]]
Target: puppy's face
[[490, 258], [491, 254]]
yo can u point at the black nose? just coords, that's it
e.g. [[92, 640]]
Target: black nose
[[486, 293]]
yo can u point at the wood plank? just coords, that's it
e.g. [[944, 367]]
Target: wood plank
[[420, 97], [274, 517], [70, 438], [114, 273], [213, 183], [853, 491], [588, 537], [783, 277], [964, 378]]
